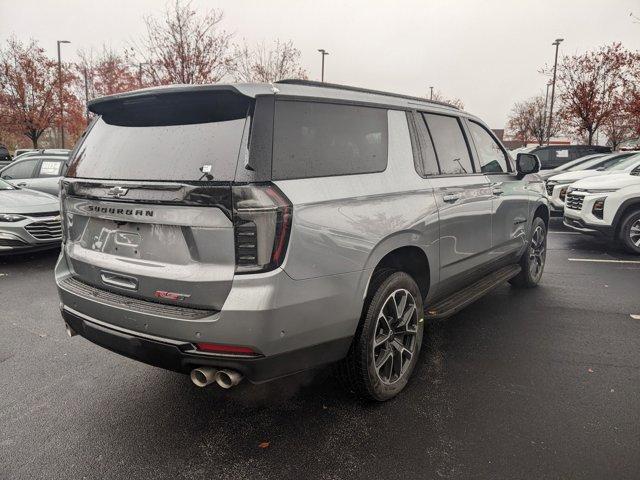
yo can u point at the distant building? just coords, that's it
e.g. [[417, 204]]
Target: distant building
[[512, 143]]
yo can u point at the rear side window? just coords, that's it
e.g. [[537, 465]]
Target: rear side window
[[312, 139], [450, 144], [20, 170], [492, 158]]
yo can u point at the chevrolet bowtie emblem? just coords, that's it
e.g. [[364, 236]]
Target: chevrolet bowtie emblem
[[117, 192]]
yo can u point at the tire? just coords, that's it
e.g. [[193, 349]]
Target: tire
[[394, 343], [629, 233], [533, 259]]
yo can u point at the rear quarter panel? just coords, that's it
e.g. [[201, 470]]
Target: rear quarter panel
[[348, 223]]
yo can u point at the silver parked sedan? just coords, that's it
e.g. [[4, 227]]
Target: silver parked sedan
[[36, 172], [29, 220]]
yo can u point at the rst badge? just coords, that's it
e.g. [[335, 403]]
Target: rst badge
[[176, 297]]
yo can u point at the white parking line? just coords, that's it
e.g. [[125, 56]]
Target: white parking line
[[635, 317], [602, 260]]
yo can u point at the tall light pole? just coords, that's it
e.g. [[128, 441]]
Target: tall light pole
[[60, 93], [140, 65], [553, 88], [323, 52], [544, 114], [431, 94], [86, 94]]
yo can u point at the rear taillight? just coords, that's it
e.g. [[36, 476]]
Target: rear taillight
[[262, 222]]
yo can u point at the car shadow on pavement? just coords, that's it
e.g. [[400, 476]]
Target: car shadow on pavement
[[35, 257]]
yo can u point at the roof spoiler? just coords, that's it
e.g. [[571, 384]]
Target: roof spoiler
[[174, 105], [104, 104]]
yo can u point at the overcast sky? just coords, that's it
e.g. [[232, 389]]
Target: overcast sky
[[487, 53]]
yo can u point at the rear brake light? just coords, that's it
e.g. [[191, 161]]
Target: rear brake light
[[262, 223], [226, 349]]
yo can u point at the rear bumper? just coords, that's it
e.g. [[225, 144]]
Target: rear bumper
[[182, 357], [293, 324]]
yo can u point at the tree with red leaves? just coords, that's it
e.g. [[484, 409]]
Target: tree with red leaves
[[591, 88], [29, 102], [108, 73], [185, 47], [631, 98]]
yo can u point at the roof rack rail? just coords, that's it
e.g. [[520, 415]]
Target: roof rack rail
[[313, 83]]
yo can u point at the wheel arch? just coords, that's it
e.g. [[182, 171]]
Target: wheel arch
[[625, 208], [542, 211], [401, 252]]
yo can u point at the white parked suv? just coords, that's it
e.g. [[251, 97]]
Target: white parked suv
[[608, 205], [558, 185]]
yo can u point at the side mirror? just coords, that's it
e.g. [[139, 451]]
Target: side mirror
[[527, 163]]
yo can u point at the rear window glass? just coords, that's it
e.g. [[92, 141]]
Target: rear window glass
[[319, 139], [184, 139]]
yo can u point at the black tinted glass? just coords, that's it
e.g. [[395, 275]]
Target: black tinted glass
[[319, 139], [168, 152], [188, 136], [450, 144], [429, 160]]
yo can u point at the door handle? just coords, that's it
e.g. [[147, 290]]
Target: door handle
[[497, 191], [117, 280], [451, 197], [21, 184]]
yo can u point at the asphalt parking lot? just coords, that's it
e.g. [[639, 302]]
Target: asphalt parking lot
[[543, 383]]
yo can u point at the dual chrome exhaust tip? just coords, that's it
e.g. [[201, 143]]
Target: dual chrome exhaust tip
[[203, 376]]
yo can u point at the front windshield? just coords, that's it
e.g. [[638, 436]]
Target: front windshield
[[606, 161], [5, 186], [577, 164], [628, 162]]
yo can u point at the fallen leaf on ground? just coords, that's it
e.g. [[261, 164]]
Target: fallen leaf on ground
[[264, 445], [590, 370]]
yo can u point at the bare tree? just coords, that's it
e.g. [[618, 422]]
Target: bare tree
[[264, 64], [528, 120], [107, 73], [439, 97], [518, 122], [184, 46]]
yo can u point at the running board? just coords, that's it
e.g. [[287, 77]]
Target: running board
[[460, 299]]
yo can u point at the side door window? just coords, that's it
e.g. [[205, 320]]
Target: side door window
[[449, 143], [491, 156], [49, 168], [20, 170]]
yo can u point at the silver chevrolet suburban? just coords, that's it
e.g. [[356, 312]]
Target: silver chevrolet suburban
[[258, 230]]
